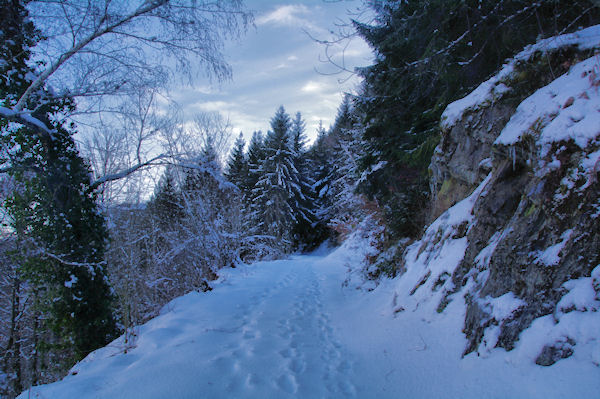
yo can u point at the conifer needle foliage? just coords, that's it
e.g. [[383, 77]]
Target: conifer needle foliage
[[52, 209]]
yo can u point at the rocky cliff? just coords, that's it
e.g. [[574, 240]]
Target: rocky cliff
[[516, 234]]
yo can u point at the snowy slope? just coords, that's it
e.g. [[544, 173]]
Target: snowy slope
[[294, 328]]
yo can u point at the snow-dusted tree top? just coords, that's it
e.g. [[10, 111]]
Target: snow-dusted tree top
[[494, 88]]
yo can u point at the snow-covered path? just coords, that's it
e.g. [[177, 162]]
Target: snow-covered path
[[262, 332], [293, 328]]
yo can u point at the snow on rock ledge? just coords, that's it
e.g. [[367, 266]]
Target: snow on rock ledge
[[471, 126], [566, 109]]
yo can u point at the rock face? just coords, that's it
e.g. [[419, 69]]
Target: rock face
[[463, 158], [542, 242], [530, 148]]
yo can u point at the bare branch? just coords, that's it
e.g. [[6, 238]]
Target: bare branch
[[38, 83]]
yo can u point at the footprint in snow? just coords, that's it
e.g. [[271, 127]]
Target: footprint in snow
[[249, 334], [287, 353], [225, 364], [253, 380], [344, 367], [347, 388], [287, 383], [297, 366]]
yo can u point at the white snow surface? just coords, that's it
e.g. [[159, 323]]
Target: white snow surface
[[566, 109], [493, 88], [295, 329], [551, 255]]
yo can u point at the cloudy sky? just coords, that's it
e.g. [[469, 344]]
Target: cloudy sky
[[277, 63]]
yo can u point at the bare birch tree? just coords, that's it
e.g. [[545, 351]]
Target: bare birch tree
[[98, 52]]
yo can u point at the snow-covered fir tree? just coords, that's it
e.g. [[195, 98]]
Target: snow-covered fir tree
[[334, 167], [347, 208], [321, 165], [255, 157], [275, 187], [166, 202], [302, 200]]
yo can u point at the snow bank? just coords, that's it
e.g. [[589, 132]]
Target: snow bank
[[492, 89]]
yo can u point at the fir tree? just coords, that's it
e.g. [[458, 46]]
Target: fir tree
[[346, 146], [256, 155], [302, 199], [298, 127], [321, 169], [237, 165], [333, 157], [253, 212], [203, 173], [166, 203], [345, 118], [274, 188], [53, 208]]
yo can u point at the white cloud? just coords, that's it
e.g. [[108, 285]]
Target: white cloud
[[288, 15], [276, 66], [288, 63], [204, 89], [210, 106], [323, 85], [312, 87], [356, 48]]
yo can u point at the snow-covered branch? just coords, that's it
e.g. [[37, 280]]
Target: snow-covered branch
[[124, 173], [24, 117]]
